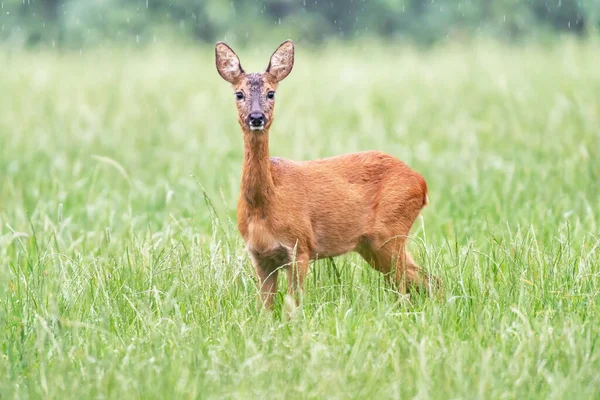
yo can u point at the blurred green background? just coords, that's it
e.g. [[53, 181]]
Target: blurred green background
[[123, 275], [79, 23]]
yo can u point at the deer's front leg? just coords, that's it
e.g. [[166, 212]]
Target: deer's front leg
[[267, 281], [296, 273], [267, 272]]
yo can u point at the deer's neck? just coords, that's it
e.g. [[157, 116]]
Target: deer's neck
[[257, 181]]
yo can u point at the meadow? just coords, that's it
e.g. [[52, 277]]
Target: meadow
[[122, 274]]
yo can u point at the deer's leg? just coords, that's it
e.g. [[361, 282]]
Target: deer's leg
[[296, 273], [368, 253], [267, 282], [418, 278], [417, 275], [392, 259]]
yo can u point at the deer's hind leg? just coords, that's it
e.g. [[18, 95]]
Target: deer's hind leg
[[391, 259], [371, 256], [396, 215]]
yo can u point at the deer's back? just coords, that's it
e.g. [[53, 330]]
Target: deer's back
[[359, 176]]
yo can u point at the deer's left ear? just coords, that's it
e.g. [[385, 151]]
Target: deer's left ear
[[282, 61]]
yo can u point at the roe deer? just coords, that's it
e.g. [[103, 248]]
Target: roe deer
[[291, 212]]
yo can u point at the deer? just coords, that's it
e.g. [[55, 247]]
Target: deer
[[290, 213]]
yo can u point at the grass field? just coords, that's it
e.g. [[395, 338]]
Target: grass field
[[122, 274]]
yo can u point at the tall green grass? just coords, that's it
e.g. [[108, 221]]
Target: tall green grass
[[122, 274]]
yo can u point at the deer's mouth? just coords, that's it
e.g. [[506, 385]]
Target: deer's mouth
[[257, 127]]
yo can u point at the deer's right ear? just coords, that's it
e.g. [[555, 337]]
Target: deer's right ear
[[228, 63]]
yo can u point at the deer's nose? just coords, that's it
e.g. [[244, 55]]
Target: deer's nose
[[256, 119]]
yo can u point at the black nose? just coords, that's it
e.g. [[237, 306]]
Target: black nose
[[257, 119]]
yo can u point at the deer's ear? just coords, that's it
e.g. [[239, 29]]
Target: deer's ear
[[282, 61], [228, 63]]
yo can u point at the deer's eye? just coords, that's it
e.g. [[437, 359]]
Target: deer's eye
[[239, 95], [271, 95]]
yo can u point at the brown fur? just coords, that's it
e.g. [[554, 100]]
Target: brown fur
[[291, 212]]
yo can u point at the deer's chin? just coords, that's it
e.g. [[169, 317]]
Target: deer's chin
[[257, 128]]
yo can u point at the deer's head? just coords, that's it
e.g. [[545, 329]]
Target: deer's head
[[255, 92]]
